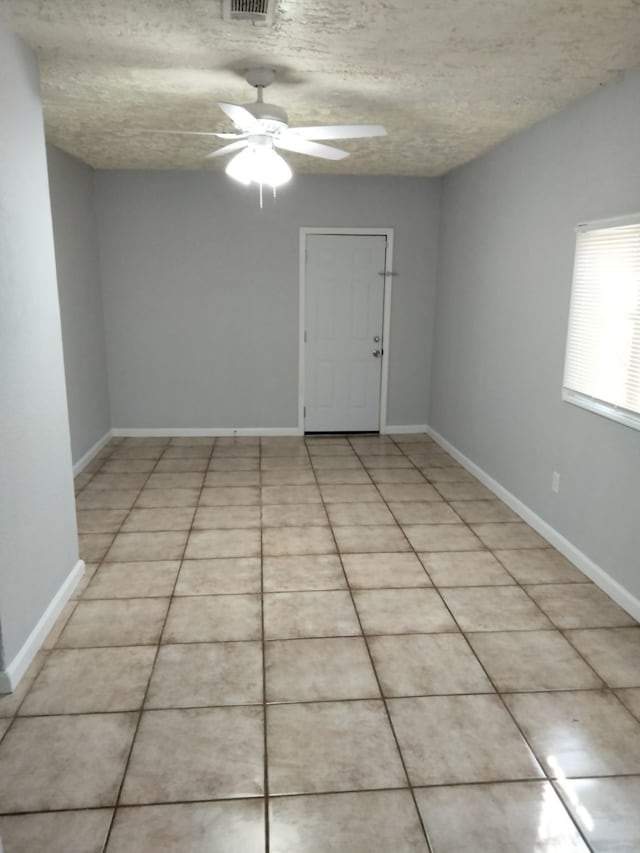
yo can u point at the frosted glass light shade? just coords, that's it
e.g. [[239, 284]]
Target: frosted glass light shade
[[259, 165]]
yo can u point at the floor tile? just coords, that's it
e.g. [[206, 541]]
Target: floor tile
[[218, 827], [454, 739], [10, 702], [465, 568], [128, 466], [309, 614], [402, 611], [82, 681], [337, 463], [200, 674], [545, 565], [129, 547], [302, 476], [151, 498], [494, 608], [173, 518], [196, 754], [316, 669], [446, 474], [230, 496], [56, 832], [328, 747], [441, 537], [69, 762], [516, 817], [224, 517], [351, 513], [286, 463], [181, 466], [292, 515], [223, 543], [423, 512], [464, 491], [631, 699], [396, 475], [4, 725], [579, 733], [93, 546], [408, 492], [100, 520], [371, 571], [359, 539], [192, 480], [606, 810], [290, 495], [219, 576], [213, 618], [362, 822], [133, 580], [579, 606], [233, 464], [614, 653], [123, 622], [106, 499], [511, 534], [188, 451], [521, 661], [343, 476], [349, 494], [474, 512], [308, 572], [377, 462], [427, 664], [284, 541], [117, 481], [232, 478]]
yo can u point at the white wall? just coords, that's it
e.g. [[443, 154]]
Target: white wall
[[38, 544], [200, 293], [506, 258], [76, 246]]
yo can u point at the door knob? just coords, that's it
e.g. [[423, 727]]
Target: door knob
[[376, 340], [377, 353]]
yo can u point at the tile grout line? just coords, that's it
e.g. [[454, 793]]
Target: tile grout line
[[116, 804], [375, 673], [266, 792]]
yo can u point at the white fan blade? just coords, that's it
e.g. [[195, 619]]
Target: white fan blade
[[290, 142], [227, 149], [230, 135], [340, 131], [241, 117]]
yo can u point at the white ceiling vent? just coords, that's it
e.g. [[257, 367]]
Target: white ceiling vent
[[256, 11]]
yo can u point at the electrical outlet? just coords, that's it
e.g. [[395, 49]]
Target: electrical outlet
[[555, 482]]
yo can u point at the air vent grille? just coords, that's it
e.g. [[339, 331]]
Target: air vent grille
[[257, 11]]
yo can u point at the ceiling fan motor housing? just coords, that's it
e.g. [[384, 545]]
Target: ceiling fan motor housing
[[270, 116]]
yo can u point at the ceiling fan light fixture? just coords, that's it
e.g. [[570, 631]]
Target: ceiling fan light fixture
[[259, 164]]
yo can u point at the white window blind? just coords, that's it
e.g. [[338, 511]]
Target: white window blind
[[602, 366]]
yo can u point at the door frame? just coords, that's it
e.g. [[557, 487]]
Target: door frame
[[386, 312]]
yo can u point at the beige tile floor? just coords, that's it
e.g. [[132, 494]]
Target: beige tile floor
[[332, 644]]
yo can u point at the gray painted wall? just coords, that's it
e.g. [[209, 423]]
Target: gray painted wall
[[76, 244], [200, 293], [38, 544], [506, 259]]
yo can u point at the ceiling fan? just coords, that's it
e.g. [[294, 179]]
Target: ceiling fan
[[262, 127]]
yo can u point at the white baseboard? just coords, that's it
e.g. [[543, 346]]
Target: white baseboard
[[93, 451], [620, 594], [401, 430], [171, 432], [11, 675]]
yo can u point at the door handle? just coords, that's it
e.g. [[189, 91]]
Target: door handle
[[377, 353]]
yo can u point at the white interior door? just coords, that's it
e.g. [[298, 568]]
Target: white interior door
[[344, 305]]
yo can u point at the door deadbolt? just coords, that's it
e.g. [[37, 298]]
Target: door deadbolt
[[377, 353]]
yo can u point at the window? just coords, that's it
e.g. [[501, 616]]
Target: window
[[602, 365]]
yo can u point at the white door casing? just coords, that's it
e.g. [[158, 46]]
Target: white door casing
[[344, 309]]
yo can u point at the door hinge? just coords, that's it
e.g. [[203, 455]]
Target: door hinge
[[304, 412], [305, 336]]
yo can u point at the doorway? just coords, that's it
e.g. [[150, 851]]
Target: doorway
[[344, 322]]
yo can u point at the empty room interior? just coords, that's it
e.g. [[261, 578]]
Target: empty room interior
[[319, 426]]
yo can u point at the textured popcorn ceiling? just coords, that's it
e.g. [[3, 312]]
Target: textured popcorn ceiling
[[448, 78]]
